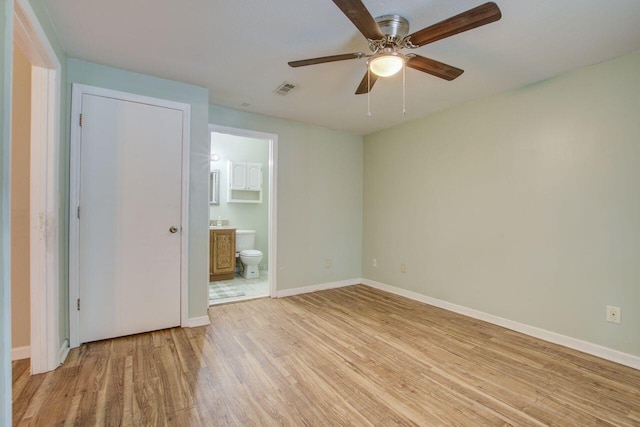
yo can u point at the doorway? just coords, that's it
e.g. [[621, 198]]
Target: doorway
[[20, 229], [242, 202], [37, 238]]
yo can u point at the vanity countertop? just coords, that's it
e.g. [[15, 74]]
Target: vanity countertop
[[221, 227]]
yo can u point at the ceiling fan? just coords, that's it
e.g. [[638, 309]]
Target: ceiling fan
[[388, 36]]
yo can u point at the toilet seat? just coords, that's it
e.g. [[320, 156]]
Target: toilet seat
[[250, 253]]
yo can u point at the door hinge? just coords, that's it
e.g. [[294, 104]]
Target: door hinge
[[78, 212], [78, 304], [80, 120]]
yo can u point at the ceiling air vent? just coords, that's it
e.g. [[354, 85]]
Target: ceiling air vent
[[284, 88]]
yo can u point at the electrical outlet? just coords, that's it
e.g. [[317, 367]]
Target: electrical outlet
[[403, 268], [327, 263], [374, 263], [613, 314]]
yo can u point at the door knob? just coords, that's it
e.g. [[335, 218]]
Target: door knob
[[173, 229]]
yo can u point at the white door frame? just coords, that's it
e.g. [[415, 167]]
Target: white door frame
[[44, 221], [273, 194], [78, 90]]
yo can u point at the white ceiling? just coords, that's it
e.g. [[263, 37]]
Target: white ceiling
[[239, 50]]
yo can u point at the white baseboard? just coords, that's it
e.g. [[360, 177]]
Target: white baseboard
[[194, 322], [314, 288], [63, 352], [19, 353], [553, 337]]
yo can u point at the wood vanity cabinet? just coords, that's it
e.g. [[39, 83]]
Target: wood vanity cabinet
[[222, 254]]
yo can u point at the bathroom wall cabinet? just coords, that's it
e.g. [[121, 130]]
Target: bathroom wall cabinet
[[222, 253], [245, 182]]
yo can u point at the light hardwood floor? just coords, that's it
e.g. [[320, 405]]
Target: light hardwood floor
[[349, 356]]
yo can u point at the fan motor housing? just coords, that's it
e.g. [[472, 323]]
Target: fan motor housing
[[393, 26]]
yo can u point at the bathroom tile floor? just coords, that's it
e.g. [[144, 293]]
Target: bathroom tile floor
[[239, 289]]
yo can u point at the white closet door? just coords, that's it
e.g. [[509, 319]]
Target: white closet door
[[130, 198]]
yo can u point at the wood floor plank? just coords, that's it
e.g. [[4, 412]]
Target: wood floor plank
[[348, 356]]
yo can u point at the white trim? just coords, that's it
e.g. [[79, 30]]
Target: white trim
[[44, 188], [63, 352], [273, 196], [30, 36], [74, 242], [553, 337], [78, 90], [184, 231], [19, 353], [194, 322], [315, 288]]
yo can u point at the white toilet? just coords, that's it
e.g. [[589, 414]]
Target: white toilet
[[250, 258]]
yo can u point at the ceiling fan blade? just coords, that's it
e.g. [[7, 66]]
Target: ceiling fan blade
[[323, 59], [433, 67], [367, 83], [472, 18], [361, 18]]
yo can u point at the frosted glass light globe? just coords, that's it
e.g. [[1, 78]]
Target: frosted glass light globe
[[386, 65]]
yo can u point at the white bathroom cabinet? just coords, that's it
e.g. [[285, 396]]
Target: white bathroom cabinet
[[245, 182]]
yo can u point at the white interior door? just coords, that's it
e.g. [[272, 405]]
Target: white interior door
[[130, 198]]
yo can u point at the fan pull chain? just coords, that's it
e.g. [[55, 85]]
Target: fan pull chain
[[368, 92], [404, 110]]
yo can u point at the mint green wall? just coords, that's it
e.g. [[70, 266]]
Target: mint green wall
[[115, 79], [319, 198], [247, 216], [6, 56], [524, 205]]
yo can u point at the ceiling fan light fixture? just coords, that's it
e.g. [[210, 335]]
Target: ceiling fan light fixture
[[386, 64]]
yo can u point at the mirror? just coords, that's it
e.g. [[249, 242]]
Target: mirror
[[214, 187]]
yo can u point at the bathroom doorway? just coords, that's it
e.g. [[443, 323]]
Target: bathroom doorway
[[242, 201]]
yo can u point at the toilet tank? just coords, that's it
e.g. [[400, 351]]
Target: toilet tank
[[245, 239]]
